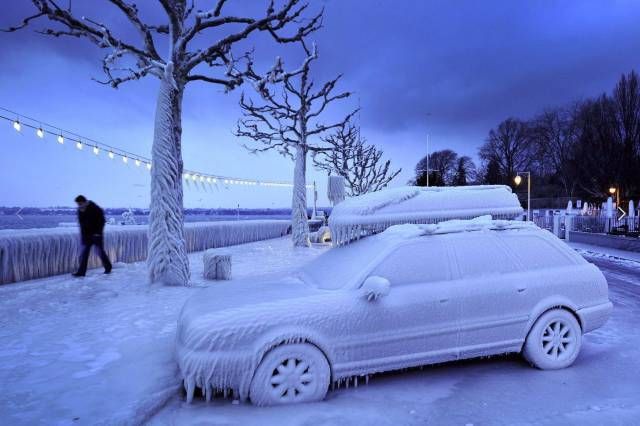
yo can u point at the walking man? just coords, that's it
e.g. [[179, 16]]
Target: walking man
[[91, 219]]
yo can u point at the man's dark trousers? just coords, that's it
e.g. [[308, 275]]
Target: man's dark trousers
[[93, 240]]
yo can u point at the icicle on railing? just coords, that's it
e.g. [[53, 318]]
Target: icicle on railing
[[36, 253]]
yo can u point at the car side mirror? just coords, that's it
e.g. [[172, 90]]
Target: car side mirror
[[375, 287]]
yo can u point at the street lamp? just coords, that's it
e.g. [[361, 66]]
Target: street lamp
[[518, 181], [613, 190], [428, 152]]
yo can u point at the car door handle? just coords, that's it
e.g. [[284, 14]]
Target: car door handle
[[521, 289], [444, 300]]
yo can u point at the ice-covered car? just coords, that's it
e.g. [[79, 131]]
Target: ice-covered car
[[410, 296]]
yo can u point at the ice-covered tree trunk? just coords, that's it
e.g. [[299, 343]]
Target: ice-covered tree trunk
[[167, 260], [299, 223]]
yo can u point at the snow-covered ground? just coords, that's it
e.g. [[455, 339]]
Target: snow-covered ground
[[100, 351]]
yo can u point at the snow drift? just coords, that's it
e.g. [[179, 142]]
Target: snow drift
[[374, 212], [34, 253]]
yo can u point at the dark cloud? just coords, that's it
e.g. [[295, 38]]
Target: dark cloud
[[468, 63]]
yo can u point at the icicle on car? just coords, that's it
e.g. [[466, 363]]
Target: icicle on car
[[389, 302]]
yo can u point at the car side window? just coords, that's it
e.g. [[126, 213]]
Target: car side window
[[420, 262], [535, 253], [481, 254]]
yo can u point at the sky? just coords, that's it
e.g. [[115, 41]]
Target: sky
[[450, 69]]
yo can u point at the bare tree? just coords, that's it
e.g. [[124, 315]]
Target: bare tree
[[359, 164], [555, 132], [288, 121], [442, 168], [465, 171], [195, 41], [626, 100], [599, 153], [508, 146]]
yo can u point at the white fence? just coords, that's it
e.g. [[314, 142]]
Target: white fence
[[559, 224], [35, 253]]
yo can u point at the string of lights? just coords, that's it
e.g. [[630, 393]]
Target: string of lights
[[21, 122]]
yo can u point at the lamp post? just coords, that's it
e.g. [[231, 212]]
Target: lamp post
[[613, 190], [428, 152], [518, 181]]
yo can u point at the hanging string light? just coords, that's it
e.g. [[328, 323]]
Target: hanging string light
[[41, 128]]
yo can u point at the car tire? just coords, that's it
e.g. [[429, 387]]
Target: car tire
[[554, 340], [290, 374]]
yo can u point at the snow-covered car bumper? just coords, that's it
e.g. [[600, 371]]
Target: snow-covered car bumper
[[216, 372], [596, 316]]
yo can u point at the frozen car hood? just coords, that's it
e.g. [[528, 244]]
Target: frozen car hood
[[233, 295], [228, 312]]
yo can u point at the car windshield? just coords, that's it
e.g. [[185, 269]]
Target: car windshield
[[339, 266]]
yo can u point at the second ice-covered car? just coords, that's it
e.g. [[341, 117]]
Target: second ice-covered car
[[412, 295]]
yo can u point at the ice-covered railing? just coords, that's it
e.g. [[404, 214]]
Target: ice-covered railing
[[374, 212], [35, 253]]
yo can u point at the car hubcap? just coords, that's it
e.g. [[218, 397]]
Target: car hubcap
[[558, 339], [291, 380]]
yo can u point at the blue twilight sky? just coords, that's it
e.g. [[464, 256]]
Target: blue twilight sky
[[469, 64]]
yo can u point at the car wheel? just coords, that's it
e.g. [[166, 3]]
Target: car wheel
[[554, 340], [290, 374]]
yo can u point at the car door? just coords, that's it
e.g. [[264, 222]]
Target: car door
[[489, 286], [417, 322]]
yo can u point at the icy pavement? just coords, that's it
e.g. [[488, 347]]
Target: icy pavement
[[99, 350]]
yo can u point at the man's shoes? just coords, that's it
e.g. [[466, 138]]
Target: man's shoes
[[107, 271], [78, 274]]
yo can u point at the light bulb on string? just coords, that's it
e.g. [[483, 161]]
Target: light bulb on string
[[79, 145], [137, 163], [194, 177], [214, 180], [17, 125], [60, 139], [111, 155], [40, 132], [96, 150], [125, 160], [186, 176], [201, 178], [148, 166]]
